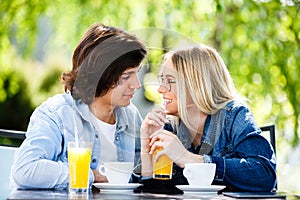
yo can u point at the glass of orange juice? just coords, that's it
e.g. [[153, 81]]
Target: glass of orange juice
[[162, 169], [79, 158]]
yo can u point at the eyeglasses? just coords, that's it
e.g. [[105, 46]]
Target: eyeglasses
[[165, 82]]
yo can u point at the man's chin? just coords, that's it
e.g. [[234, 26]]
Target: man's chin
[[124, 104]]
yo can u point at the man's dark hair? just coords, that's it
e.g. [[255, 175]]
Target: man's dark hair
[[102, 55]]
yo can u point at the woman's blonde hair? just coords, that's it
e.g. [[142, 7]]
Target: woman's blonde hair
[[202, 79]]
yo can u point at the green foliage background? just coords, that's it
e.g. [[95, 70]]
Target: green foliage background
[[259, 41]]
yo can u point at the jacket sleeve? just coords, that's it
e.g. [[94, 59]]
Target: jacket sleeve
[[37, 163], [249, 162]]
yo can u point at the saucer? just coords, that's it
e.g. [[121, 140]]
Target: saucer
[[211, 188], [104, 187]]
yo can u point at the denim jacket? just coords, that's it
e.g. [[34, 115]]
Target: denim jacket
[[244, 159], [41, 161]]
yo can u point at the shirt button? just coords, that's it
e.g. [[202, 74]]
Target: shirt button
[[94, 160], [96, 136], [117, 138]]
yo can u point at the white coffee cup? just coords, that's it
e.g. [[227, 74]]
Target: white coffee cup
[[117, 172], [199, 174]]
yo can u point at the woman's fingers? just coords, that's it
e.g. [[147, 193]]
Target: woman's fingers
[[152, 120], [155, 118], [171, 146], [153, 139], [158, 155], [158, 114], [155, 144], [161, 134]]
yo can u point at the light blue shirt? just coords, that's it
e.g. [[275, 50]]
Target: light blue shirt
[[41, 161]]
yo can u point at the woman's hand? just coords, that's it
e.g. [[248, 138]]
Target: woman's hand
[[153, 122], [172, 147], [99, 178]]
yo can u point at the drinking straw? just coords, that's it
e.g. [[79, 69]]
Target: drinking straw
[[76, 130]]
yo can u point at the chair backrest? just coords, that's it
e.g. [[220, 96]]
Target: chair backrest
[[15, 138], [271, 138], [6, 160], [271, 135]]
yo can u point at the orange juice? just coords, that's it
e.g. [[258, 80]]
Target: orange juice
[[79, 163], [162, 169]]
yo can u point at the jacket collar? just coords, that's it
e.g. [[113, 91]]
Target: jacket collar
[[85, 113]]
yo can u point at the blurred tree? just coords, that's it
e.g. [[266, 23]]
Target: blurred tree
[[261, 52], [18, 24], [15, 103], [51, 79]]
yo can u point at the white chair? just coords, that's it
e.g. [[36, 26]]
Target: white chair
[[6, 158]]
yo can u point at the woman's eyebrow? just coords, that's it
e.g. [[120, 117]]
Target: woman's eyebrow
[[170, 76], [167, 76]]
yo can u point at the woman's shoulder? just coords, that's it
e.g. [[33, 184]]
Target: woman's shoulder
[[239, 114], [236, 105]]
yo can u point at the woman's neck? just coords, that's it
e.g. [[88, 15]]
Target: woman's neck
[[197, 121]]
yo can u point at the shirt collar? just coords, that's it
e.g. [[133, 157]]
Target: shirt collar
[[84, 111]]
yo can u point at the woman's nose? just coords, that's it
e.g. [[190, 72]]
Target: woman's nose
[[162, 89]]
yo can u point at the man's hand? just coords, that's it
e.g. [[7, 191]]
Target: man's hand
[[99, 178]]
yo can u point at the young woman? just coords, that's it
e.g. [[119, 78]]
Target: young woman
[[210, 124], [103, 79]]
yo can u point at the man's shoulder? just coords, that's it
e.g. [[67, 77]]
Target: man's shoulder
[[56, 102]]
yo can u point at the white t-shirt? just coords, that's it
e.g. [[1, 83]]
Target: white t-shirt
[[108, 152]]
